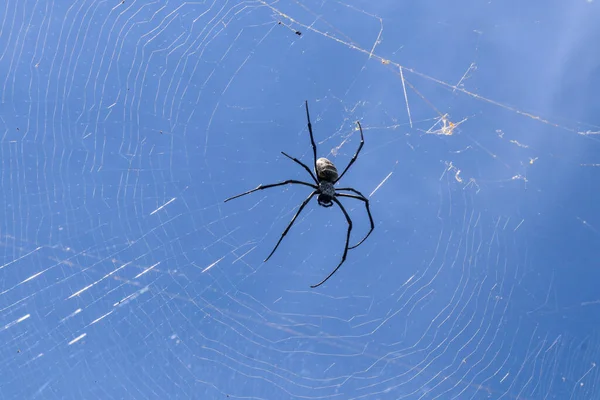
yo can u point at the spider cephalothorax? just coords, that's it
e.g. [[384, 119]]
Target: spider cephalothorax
[[326, 194], [325, 177]]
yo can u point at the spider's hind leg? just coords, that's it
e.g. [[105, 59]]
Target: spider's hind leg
[[312, 139], [355, 156]]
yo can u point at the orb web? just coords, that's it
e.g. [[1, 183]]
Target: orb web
[[126, 124]]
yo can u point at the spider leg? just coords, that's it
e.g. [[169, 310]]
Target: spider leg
[[302, 165], [304, 203], [312, 139], [362, 142], [345, 249], [261, 187], [362, 198]]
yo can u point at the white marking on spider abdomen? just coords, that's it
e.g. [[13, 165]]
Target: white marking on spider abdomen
[[326, 171], [327, 189]]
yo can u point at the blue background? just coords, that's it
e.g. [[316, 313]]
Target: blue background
[[124, 126]]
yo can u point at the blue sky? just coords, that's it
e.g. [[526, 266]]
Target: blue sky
[[125, 126]]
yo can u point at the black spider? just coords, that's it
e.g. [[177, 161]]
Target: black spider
[[325, 179]]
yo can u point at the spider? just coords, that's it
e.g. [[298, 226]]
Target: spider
[[325, 178]]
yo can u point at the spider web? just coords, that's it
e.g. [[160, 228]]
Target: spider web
[[125, 124]]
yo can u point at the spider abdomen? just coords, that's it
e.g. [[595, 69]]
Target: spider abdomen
[[326, 171]]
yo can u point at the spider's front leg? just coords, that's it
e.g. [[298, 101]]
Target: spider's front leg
[[362, 198], [336, 201], [304, 203]]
